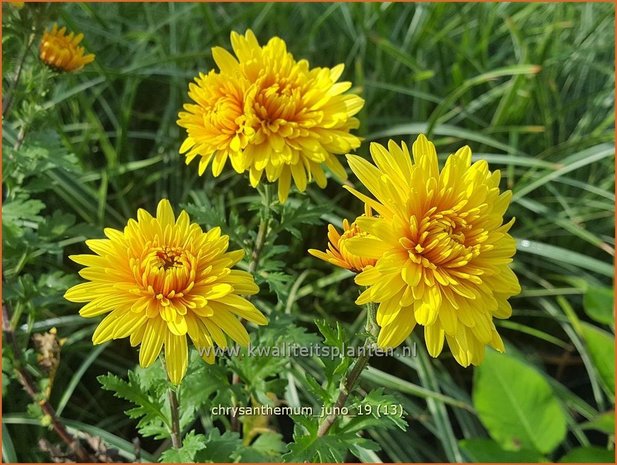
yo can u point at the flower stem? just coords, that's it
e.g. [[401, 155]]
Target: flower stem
[[262, 232], [348, 383], [6, 105], [260, 241], [176, 439]]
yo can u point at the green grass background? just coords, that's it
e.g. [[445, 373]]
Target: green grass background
[[530, 87]]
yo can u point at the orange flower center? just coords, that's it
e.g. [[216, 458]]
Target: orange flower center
[[165, 272], [442, 239], [276, 104], [170, 257]]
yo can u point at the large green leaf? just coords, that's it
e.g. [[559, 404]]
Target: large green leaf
[[604, 422], [487, 450], [598, 304], [516, 404], [589, 455], [601, 345]]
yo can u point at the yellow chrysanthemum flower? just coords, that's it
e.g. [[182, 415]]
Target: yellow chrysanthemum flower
[[269, 113], [338, 253], [62, 52], [441, 247], [162, 279]]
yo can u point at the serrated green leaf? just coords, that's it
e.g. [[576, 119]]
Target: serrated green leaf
[[386, 409], [219, 448], [191, 444], [147, 409], [333, 447], [57, 225], [324, 449], [334, 336], [268, 447], [295, 214], [19, 213]]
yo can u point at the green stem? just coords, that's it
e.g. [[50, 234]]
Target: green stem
[[262, 231], [176, 436], [260, 241], [11, 92], [349, 382]]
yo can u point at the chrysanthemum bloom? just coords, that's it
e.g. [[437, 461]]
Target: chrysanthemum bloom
[[269, 113], [441, 247], [162, 279], [338, 253], [62, 52]]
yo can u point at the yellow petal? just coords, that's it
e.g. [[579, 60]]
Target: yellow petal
[[137, 335], [398, 330], [101, 305], [165, 214], [299, 176], [448, 319], [434, 338], [234, 329], [367, 247], [240, 307], [177, 324], [504, 309], [224, 60], [128, 323], [152, 342], [284, 184], [425, 155], [427, 309], [369, 175], [105, 330], [176, 357], [217, 335], [369, 276]]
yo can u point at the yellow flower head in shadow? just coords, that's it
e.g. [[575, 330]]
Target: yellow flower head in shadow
[[162, 279], [338, 253], [271, 115], [62, 52], [441, 247]]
